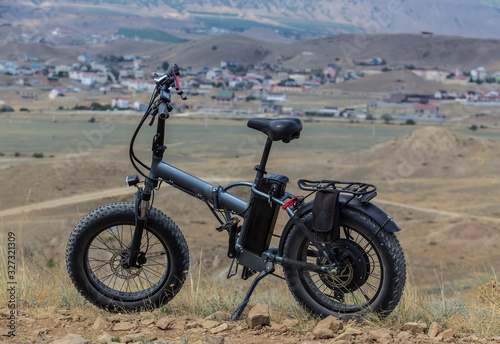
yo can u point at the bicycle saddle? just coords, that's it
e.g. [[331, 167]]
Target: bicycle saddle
[[284, 129]]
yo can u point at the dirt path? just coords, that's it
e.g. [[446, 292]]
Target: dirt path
[[435, 211], [126, 190], [91, 196]]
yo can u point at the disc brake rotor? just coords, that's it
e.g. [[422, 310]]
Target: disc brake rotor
[[116, 266]]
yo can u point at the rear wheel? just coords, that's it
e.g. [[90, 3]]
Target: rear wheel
[[367, 275], [99, 246]]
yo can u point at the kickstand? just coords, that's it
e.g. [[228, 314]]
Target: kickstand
[[269, 268]]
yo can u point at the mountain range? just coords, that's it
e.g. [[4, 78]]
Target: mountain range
[[293, 19]]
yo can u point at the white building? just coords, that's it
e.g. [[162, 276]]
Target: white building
[[89, 79], [120, 102]]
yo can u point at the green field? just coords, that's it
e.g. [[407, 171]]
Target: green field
[[221, 138], [155, 35], [318, 27], [495, 3]]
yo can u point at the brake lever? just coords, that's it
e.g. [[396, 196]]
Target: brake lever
[[153, 115]]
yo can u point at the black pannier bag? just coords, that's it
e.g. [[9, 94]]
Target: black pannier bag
[[326, 216]]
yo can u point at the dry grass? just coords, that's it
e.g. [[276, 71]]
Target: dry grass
[[42, 290]]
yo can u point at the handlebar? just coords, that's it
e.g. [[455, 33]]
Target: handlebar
[[169, 77]]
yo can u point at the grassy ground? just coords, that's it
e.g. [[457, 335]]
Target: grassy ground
[[41, 289]]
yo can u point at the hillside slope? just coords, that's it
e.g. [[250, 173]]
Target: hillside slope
[[427, 152], [470, 18]]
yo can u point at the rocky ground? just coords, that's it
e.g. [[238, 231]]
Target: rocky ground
[[77, 327]]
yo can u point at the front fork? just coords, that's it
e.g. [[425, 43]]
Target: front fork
[[136, 258]]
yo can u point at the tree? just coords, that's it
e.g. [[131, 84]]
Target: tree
[[473, 127], [387, 118], [410, 122]]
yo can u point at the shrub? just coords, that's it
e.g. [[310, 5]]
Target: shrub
[[410, 122], [6, 108], [38, 155], [386, 117]]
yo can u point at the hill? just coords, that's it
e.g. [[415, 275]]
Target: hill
[[300, 18], [426, 153], [445, 52], [210, 51], [397, 50], [389, 82]]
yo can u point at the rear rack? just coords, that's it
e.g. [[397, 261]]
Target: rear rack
[[363, 190]]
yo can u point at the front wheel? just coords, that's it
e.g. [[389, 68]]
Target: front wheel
[[99, 245], [367, 275]]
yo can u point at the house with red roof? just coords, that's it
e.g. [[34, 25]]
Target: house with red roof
[[425, 110]]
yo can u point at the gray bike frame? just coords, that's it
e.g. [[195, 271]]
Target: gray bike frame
[[203, 189]]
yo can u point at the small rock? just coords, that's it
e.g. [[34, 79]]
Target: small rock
[[448, 334], [353, 331], [147, 322], [343, 337], [208, 324], [99, 324], [138, 337], [220, 328], [434, 330], [71, 339], [259, 315], [278, 328], [124, 326], [404, 335], [164, 323], [219, 316], [323, 333], [331, 323], [213, 340], [104, 339], [415, 328], [191, 325], [290, 322], [376, 335]]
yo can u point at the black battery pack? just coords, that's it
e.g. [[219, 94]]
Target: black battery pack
[[261, 219]]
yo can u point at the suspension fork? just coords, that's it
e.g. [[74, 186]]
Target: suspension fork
[[142, 198]]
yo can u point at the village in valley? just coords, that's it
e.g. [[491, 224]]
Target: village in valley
[[118, 83]]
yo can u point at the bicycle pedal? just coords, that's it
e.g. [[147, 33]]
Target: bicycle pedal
[[228, 225]]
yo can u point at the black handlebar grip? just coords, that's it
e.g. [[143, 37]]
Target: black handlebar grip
[[163, 112]]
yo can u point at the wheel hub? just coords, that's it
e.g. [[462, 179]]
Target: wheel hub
[[353, 266], [116, 264]]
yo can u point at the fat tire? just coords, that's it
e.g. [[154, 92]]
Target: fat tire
[[389, 253], [160, 226]]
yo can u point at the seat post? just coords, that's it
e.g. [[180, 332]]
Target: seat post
[[261, 168]]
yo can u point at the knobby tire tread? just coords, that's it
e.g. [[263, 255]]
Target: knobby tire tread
[[166, 227], [394, 267]]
